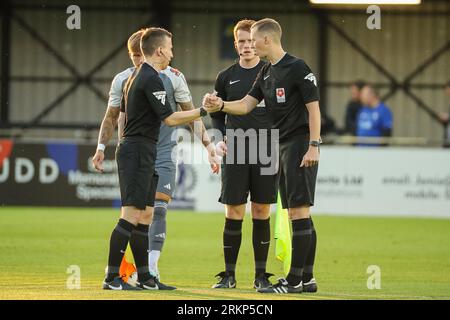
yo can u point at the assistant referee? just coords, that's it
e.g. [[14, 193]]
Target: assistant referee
[[239, 179], [290, 92]]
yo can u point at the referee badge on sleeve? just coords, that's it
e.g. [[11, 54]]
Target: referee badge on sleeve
[[161, 96], [281, 95]]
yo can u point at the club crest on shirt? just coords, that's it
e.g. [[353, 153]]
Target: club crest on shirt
[[281, 95], [173, 70]]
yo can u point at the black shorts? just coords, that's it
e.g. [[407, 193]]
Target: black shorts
[[239, 179], [297, 185], [135, 158]]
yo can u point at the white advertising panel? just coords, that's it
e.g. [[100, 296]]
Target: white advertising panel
[[352, 180]]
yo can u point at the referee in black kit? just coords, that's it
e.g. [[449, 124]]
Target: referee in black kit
[[241, 172], [145, 105], [290, 92]]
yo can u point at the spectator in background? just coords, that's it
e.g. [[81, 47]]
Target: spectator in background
[[374, 119], [444, 117], [353, 107]]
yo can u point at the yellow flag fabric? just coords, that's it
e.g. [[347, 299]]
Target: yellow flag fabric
[[283, 243], [127, 267], [129, 255]]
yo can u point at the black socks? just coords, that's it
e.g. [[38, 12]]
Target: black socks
[[261, 243], [301, 242], [139, 247], [117, 246], [232, 235]]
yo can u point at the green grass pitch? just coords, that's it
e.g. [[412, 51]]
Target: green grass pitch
[[37, 246]]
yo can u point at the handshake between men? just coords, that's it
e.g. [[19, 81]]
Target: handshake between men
[[212, 103]]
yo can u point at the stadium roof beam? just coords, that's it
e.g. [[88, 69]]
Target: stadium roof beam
[[102, 8], [323, 39], [78, 77], [163, 13], [5, 61], [160, 16]]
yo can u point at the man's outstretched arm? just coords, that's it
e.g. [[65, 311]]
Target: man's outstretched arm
[[212, 103]]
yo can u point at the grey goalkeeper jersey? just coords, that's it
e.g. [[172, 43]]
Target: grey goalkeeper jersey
[[177, 91]]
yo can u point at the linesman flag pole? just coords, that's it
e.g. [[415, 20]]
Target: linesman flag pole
[[283, 247]]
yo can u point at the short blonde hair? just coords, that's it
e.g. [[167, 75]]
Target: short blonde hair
[[268, 26], [134, 41]]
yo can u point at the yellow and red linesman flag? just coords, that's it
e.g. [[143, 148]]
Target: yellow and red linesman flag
[[127, 267], [283, 246]]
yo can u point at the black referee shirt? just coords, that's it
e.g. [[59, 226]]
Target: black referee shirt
[[145, 104], [232, 84], [286, 88]]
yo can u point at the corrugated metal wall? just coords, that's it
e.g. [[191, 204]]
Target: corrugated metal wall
[[197, 44], [101, 32], [403, 42]]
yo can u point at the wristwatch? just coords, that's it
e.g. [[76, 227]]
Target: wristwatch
[[203, 112], [315, 143]]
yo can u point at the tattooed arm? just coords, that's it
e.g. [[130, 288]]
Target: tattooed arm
[[120, 125], [107, 128]]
